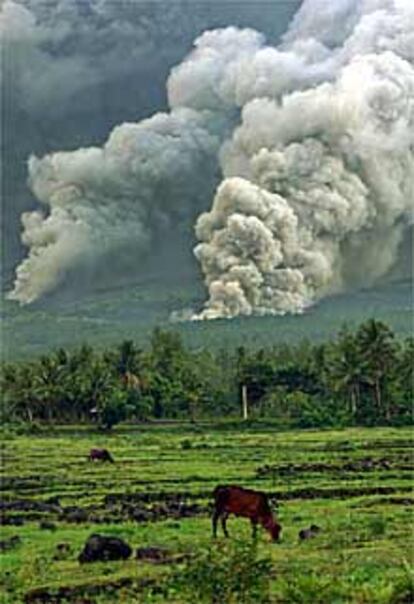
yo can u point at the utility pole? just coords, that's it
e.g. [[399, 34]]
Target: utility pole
[[244, 402]]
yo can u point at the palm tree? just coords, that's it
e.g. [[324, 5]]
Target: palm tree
[[377, 349], [49, 383], [347, 370], [17, 390], [127, 357]]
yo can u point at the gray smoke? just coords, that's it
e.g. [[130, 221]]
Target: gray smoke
[[72, 70], [319, 175], [149, 178], [314, 139]]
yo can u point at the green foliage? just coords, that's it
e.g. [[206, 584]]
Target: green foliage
[[311, 588], [186, 444], [403, 588], [225, 573], [113, 410], [377, 526], [363, 377]]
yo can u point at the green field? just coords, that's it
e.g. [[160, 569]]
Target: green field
[[356, 484]]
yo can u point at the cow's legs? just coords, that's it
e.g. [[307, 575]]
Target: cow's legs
[[223, 524], [215, 518], [254, 529]]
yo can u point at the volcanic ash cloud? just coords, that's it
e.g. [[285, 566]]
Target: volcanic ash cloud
[[319, 181], [312, 141], [102, 202], [150, 178]]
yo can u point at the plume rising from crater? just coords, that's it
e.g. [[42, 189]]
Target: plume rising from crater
[[313, 141], [319, 175]]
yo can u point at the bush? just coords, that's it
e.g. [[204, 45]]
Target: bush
[[377, 526], [299, 409], [186, 444], [311, 588], [403, 590], [113, 411], [225, 573]]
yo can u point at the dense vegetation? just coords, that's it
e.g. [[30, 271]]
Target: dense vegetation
[[362, 377]]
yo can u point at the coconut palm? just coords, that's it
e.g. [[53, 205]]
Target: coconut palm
[[347, 370], [377, 349]]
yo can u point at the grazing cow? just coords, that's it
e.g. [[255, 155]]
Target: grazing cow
[[247, 503], [100, 455]]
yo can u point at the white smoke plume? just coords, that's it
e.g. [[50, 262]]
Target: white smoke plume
[[150, 178], [314, 139], [73, 69], [319, 175], [103, 201]]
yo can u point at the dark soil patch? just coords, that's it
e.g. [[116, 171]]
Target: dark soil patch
[[45, 525], [8, 483], [169, 505], [159, 555], [367, 464], [154, 496], [29, 505], [405, 501], [14, 520], [374, 444], [339, 493], [82, 593], [18, 511], [157, 506], [115, 508], [392, 444], [177, 481], [10, 543], [37, 485]]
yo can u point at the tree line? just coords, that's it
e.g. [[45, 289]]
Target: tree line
[[361, 377]]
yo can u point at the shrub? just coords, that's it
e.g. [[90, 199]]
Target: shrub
[[186, 444], [113, 410], [225, 573], [403, 589], [377, 526], [311, 588]]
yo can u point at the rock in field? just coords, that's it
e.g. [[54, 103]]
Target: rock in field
[[309, 533], [99, 548]]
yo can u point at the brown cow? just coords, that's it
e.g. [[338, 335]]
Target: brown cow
[[100, 455], [247, 503]]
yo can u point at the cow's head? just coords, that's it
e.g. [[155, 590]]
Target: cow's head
[[275, 531]]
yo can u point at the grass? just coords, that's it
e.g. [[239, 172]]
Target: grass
[[362, 555]]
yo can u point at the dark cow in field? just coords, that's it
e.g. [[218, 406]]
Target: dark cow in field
[[100, 455], [247, 503]]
